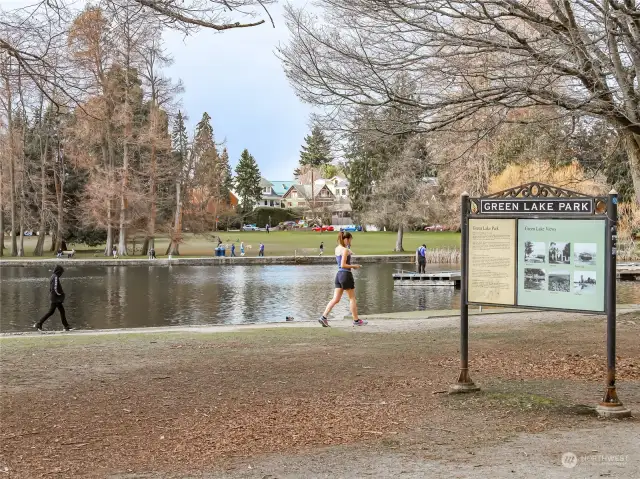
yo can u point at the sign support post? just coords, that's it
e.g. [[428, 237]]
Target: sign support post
[[611, 405], [541, 247], [464, 384]]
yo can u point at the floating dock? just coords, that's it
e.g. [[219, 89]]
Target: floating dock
[[625, 272], [441, 278]]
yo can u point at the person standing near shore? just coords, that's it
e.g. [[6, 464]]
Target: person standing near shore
[[344, 281], [261, 250], [321, 248], [421, 259], [56, 296], [242, 248], [233, 250]]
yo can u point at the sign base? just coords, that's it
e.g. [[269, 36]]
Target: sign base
[[461, 388], [613, 412]]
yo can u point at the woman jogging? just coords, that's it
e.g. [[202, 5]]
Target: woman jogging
[[344, 281]]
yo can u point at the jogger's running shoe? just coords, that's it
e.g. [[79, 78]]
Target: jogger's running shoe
[[38, 327], [324, 322], [360, 322]]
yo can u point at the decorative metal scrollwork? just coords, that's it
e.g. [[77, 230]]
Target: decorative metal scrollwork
[[536, 190]]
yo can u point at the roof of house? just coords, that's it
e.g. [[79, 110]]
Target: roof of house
[[281, 187], [264, 183], [306, 191]]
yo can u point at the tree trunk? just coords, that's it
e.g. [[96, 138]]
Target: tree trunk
[[1, 215], [12, 180], [122, 239], [54, 240], [176, 237], [399, 247], [109, 246], [12, 173], [60, 198], [38, 251], [632, 146], [152, 212], [107, 156], [21, 242]]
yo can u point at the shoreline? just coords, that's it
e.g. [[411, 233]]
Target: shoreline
[[209, 261], [448, 318]]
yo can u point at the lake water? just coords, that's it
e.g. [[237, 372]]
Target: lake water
[[132, 296]]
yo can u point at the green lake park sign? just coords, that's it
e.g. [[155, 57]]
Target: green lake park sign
[[546, 248]]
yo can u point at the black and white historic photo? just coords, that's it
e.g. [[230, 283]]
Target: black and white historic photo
[[559, 253], [560, 281], [535, 279], [584, 254], [535, 252], [584, 282]]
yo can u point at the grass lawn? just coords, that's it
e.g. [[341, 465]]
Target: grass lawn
[[277, 243]]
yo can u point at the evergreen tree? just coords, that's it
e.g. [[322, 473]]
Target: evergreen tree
[[316, 152], [248, 181], [203, 139], [180, 149], [205, 159], [226, 179], [180, 139]]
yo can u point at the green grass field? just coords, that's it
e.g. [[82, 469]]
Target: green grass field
[[277, 243]]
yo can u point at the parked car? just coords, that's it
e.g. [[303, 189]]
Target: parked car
[[350, 228], [434, 228], [322, 228], [28, 233], [250, 228]]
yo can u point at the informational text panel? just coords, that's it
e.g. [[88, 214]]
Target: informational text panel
[[492, 261]]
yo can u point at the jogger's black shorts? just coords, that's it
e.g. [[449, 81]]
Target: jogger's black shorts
[[344, 280]]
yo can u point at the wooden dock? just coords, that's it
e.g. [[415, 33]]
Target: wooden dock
[[625, 272], [441, 278], [628, 271]]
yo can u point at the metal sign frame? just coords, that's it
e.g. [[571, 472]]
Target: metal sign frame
[[601, 209]]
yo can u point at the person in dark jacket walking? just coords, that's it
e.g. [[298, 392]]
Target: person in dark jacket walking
[[56, 296]]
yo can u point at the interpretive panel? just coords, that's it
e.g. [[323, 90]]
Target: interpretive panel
[[492, 261], [561, 264]]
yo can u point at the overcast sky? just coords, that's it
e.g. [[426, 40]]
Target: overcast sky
[[236, 78]]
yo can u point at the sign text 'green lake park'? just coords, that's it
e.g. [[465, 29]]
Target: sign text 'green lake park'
[[536, 206]]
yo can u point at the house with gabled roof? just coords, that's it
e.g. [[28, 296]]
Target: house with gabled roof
[[272, 193], [308, 196]]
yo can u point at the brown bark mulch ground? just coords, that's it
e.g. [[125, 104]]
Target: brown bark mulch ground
[[77, 406]]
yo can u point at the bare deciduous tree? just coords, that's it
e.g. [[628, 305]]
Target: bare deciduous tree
[[43, 24], [467, 57]]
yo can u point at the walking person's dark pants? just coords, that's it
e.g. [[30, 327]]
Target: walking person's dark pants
[[52, 309], [422, 264]]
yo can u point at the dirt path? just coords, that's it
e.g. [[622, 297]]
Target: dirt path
[[312, 402], [606, 451]]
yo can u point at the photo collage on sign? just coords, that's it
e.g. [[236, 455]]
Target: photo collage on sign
[[558, 266]]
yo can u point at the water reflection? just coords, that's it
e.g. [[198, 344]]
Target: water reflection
[[113, 297]]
